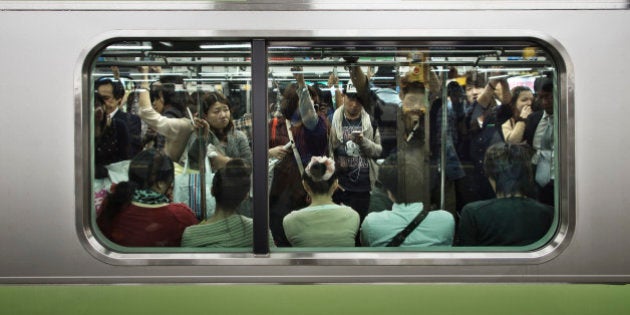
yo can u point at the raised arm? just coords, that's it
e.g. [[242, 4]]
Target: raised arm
[[361, 83], [490, 92], [169, 127], [306, 106]]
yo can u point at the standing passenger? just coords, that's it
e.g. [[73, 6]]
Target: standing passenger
[[521, 104], [112, 139], [355, 144], [309, 131], [484, 128], [539, 134]]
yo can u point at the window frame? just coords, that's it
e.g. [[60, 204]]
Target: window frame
[[561, 232]]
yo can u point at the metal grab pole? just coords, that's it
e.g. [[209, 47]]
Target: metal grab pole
[[202, 155], [443, 135], [202, 173]]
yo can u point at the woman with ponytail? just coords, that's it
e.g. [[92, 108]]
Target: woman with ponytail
[[323, 223], [138, 212]]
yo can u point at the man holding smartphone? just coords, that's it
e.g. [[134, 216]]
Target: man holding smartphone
[[355, 143]]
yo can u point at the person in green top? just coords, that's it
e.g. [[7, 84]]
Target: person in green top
[[225, 228], [323, 223], [510, 219]]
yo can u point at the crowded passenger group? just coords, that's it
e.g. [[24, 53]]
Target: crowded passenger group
[[340, 173]]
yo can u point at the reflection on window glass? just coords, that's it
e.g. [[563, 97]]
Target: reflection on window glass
[[389, 145], [172, 143]]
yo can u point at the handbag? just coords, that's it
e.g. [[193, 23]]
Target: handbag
[[402, 235]]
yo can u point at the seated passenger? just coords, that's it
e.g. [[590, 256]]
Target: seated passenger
[[226, 228], [323, 223], [511, 219], [138, 212], [379, 228]]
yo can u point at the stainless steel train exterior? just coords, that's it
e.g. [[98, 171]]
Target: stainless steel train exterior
[[46, 235]]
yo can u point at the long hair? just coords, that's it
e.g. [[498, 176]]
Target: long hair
[[509, 165], [146, 169], [231, 184], [516, 93]]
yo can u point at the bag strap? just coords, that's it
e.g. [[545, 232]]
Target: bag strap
[[402, 235], [296, 154]]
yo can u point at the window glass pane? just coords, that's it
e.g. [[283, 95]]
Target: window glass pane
[[160, 179], [456, 136]]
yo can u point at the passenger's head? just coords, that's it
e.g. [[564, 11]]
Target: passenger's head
[[522, 97], [454, 91], [352, 103], [152, 169], [231, 184], [110, 93], [508, 166], [155, 92], [291, 100], [216, 110], [319, 176], [388, 175], [172, 92], [149, 170], [475, 83], [545, 95]]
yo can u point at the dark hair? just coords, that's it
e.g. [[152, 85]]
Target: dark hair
[[291, 100], [315, 182], [175, 98], [388, 176], [474, 78], [154, 90], [453, 89], [193, 152], [146, 169], [509, 165], [118, 90], [547, 85], [516, 93], [207, 102], [231, 184]]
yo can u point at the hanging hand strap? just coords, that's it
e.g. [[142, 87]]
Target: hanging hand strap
[[296, 154], [402, 235]]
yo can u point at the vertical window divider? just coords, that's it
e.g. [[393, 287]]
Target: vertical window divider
[[259, 147]]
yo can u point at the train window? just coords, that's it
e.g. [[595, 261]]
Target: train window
[[386, 135], [358, 146], [172, 152]]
